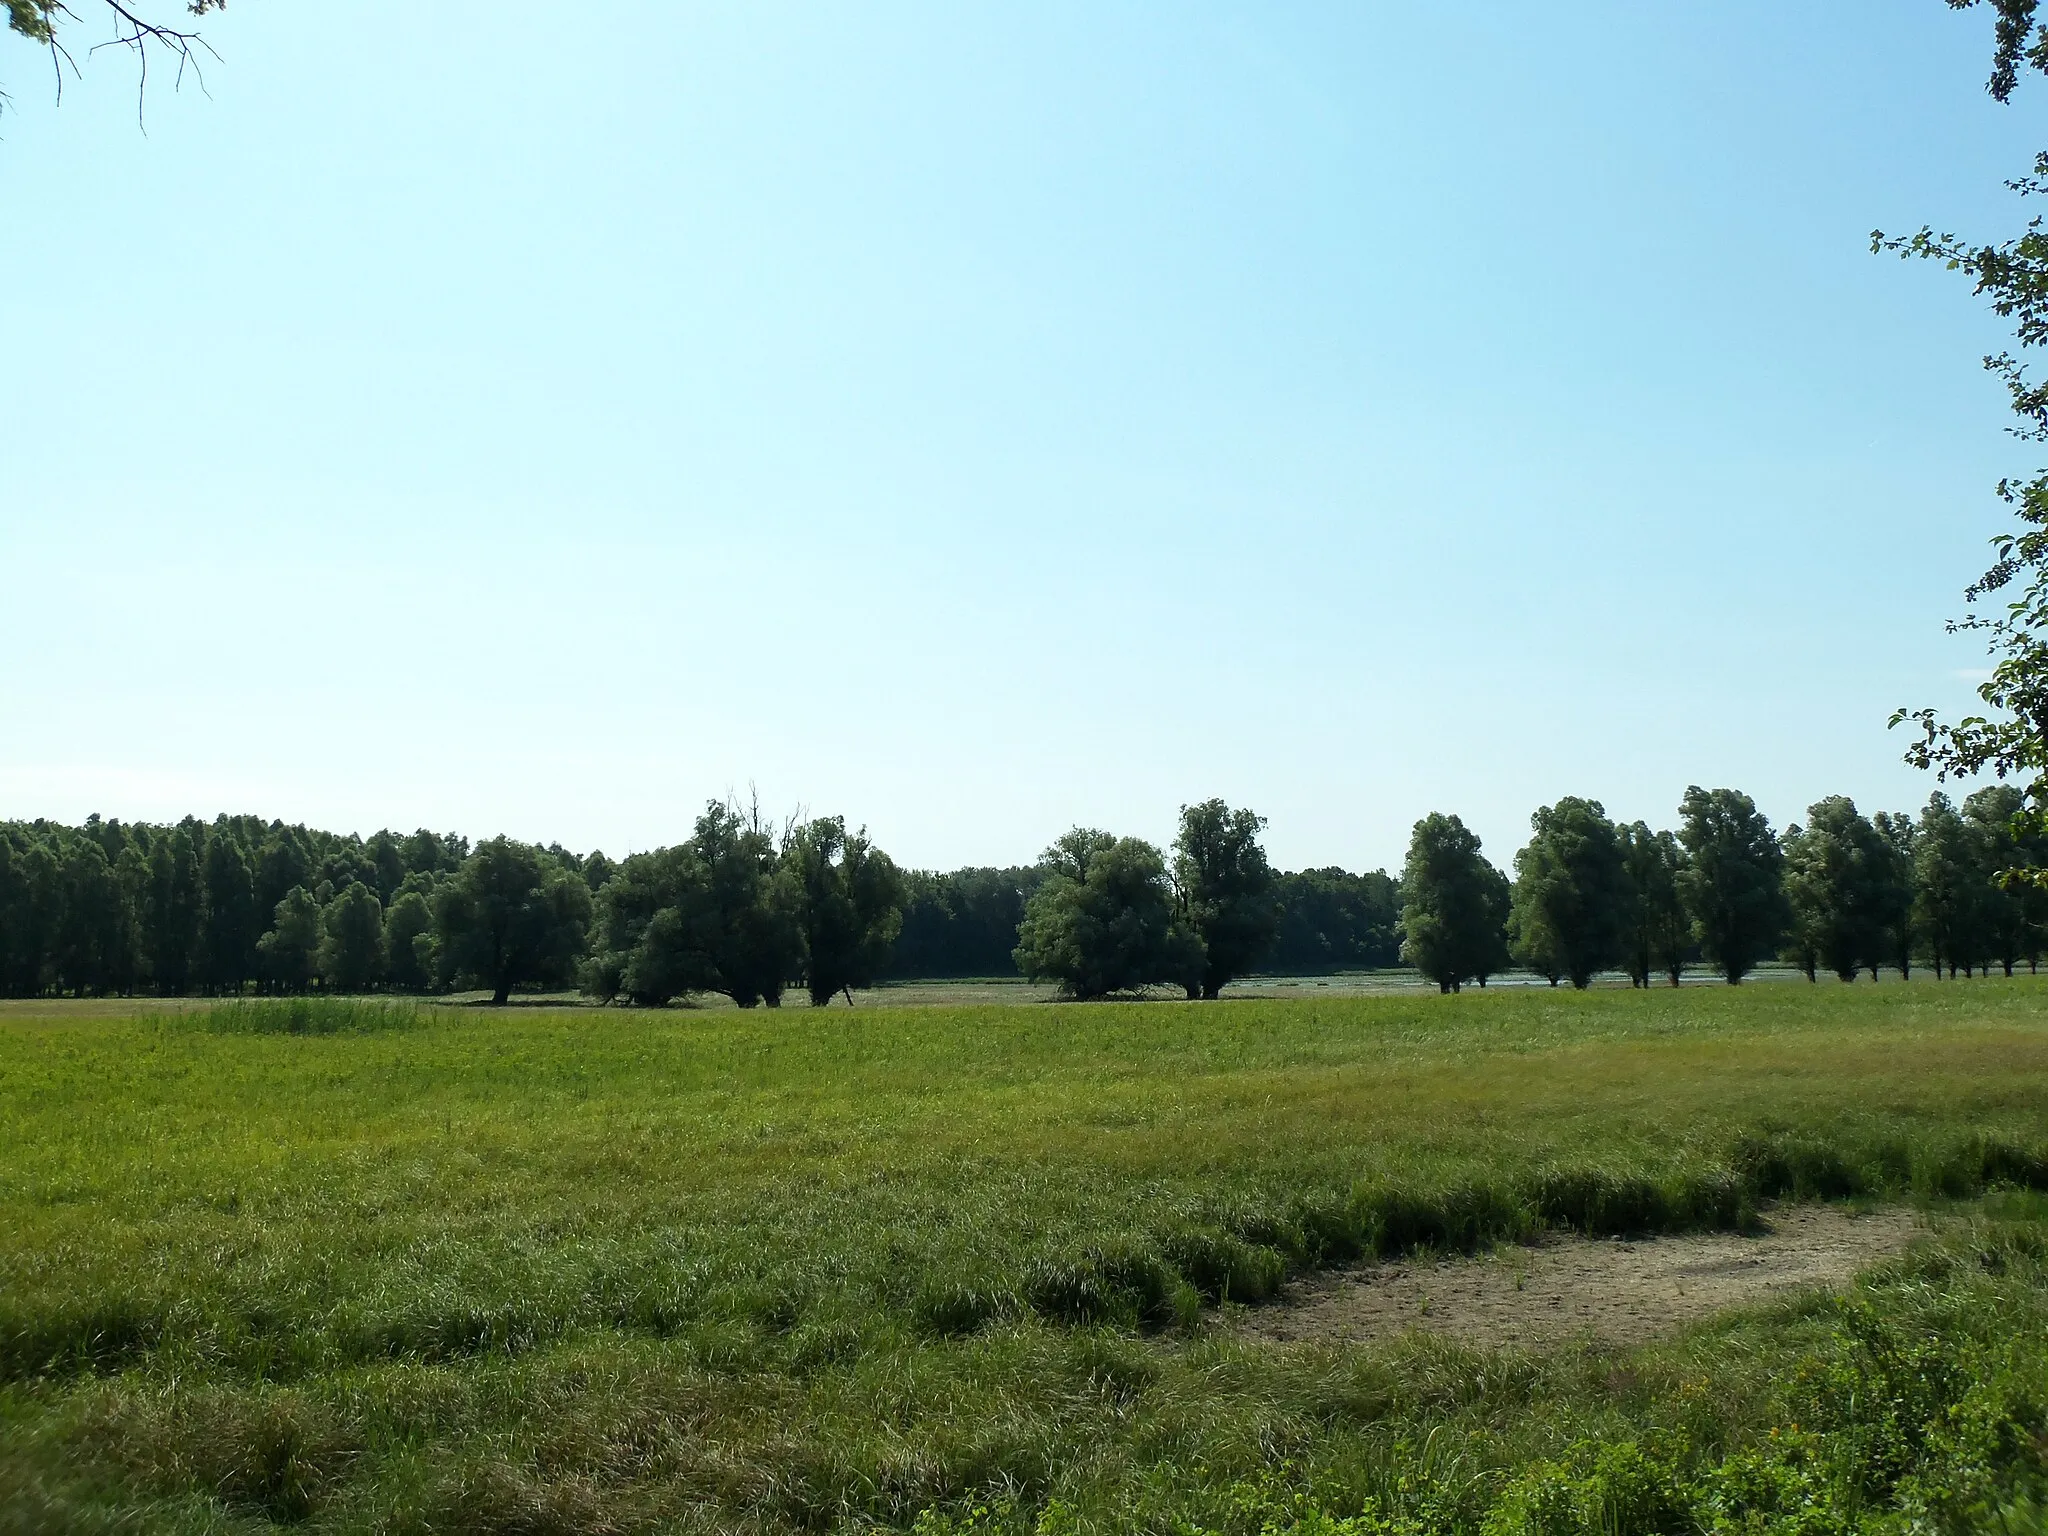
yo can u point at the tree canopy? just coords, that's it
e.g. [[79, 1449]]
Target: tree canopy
[[848, 906], [722, 912], [1571, 898], [1103, 920], [1839, 877], [511, 916], [50, 23], [1657, 933], [1731, 878], [1453, 905], [2010, 740], [1333, 920], [1225, 889]]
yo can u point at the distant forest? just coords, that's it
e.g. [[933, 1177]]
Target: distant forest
[[242, 903]]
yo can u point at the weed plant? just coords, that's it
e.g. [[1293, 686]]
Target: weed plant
[[597, 1271]]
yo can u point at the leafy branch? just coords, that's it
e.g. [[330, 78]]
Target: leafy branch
[[44, 22], [2011, 740]]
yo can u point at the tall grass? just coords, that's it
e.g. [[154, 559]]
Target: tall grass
[[304, 1016], [568, 1270]]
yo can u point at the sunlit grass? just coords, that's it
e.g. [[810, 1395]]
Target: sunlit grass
[[500, 1269]]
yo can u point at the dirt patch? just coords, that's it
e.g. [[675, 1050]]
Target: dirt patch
[[1615, 1290]]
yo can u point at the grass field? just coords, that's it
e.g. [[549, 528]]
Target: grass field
[[569, 1270]]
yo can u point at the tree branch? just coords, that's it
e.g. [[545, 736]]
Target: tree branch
[[41, 20]]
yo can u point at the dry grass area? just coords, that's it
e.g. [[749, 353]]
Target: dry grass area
[[1614, 1290]]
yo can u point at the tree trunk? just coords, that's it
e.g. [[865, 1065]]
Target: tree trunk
[[504, 993]]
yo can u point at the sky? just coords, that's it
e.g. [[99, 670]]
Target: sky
[[977, 421]]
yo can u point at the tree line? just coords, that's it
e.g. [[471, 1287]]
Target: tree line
[[1843, 892], [963, 923], [752, 909]]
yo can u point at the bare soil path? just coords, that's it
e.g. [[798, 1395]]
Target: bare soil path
[[1618, 1291]]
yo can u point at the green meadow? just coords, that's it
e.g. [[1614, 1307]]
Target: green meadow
[[366, 1267]]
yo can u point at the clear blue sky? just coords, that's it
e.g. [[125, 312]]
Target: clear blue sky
[[980, 421]]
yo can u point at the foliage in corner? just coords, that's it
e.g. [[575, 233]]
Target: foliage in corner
[[2010, 740]]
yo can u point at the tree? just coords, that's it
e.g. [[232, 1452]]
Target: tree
[[33, 894], [228, 930], [45, 22], [962, 922], [1333, 920], [1452, 914], [409, 956], [715, 914], [1895, 892], [434, 853], [746, 922], [511, 917], [282, 861], [94, 932], [1570, 910], [1949, 881], [1837, 873], [171, 913], [1805, 908], [1656, 933], [849, 906], [642, 944], [597, 871], [352, 940], [1225, 891], [387, 858], [289, 954], [2009, 845], [2011, 739], [1731, 879], [1102, 920], [1493, 956], [17, 913]]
